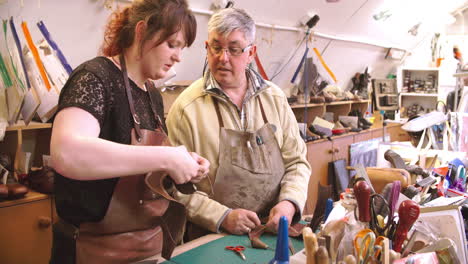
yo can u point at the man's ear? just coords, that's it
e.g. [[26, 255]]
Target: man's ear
[[252, 53]]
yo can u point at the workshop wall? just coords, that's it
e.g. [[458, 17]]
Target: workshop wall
[[77, 27]]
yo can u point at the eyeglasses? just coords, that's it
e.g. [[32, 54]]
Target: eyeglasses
[[233, 51]]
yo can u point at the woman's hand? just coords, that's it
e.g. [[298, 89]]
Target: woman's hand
[[203, 169], [184, 166]]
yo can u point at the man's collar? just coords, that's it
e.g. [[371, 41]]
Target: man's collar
[[256, 82]]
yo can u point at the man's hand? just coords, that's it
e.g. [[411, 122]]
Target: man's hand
[[285, 208], [240, 221]]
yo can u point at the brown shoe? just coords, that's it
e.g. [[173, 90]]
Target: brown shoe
[[16, 190], [3, 191]]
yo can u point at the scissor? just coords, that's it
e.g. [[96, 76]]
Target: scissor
[[238, 250], [377, 223], [367, 245]]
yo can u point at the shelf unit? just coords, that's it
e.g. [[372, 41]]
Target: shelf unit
[[33, 138], [338, 108], [460, 83], [418, 86]]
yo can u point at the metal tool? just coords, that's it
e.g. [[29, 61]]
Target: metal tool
[[238, 250], [380, 228], [362, 173]]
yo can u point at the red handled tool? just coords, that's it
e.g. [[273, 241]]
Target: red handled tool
[[362, 192], [238, 250], [408, 213]]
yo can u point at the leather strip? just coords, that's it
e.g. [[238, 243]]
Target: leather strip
[[136, 119], [218, 113], [262, 110], [151, 91]]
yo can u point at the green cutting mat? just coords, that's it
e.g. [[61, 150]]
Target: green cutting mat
[[214, 252]]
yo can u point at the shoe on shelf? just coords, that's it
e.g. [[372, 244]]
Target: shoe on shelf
[[321, 131], [329, 97], [317, 99], [362, 122]]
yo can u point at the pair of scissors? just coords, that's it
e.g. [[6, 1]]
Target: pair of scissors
[[238, 250], [367, 245], [377, 223]]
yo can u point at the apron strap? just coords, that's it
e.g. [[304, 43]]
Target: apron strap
[[153, 95], [136, 119], [218, 113], [263, 111]]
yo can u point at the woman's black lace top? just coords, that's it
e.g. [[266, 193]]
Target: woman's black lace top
[[97, 87]]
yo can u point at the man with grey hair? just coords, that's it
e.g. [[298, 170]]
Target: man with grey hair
[[244, 126]]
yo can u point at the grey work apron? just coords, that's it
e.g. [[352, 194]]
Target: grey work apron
[[137, 220], [250, 168]]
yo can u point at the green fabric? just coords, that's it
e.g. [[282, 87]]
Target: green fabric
[[215, 252]]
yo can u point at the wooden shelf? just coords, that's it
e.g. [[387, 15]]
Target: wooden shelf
[[419, 94], [20, 125], [461, 74], [295, 105], [305, 105], [339, 103], [31, 196]]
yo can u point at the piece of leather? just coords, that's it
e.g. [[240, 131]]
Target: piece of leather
[[138, 223], [338, 176], [294, 230], [324, 192]]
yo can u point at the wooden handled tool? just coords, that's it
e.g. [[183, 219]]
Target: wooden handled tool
[[362, 192], [310, 244], [321, 256], [408, 213]]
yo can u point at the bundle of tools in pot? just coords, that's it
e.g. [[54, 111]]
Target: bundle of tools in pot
[[373, 230]]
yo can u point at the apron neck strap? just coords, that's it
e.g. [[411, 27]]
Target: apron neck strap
[[218, 113], [263, 111], [220, 118], [152, 92], [136, 119]]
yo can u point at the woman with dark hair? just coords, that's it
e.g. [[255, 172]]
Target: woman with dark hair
[[108, 134]]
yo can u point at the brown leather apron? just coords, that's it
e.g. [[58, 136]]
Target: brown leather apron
[[250, 168], [139, 217]]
